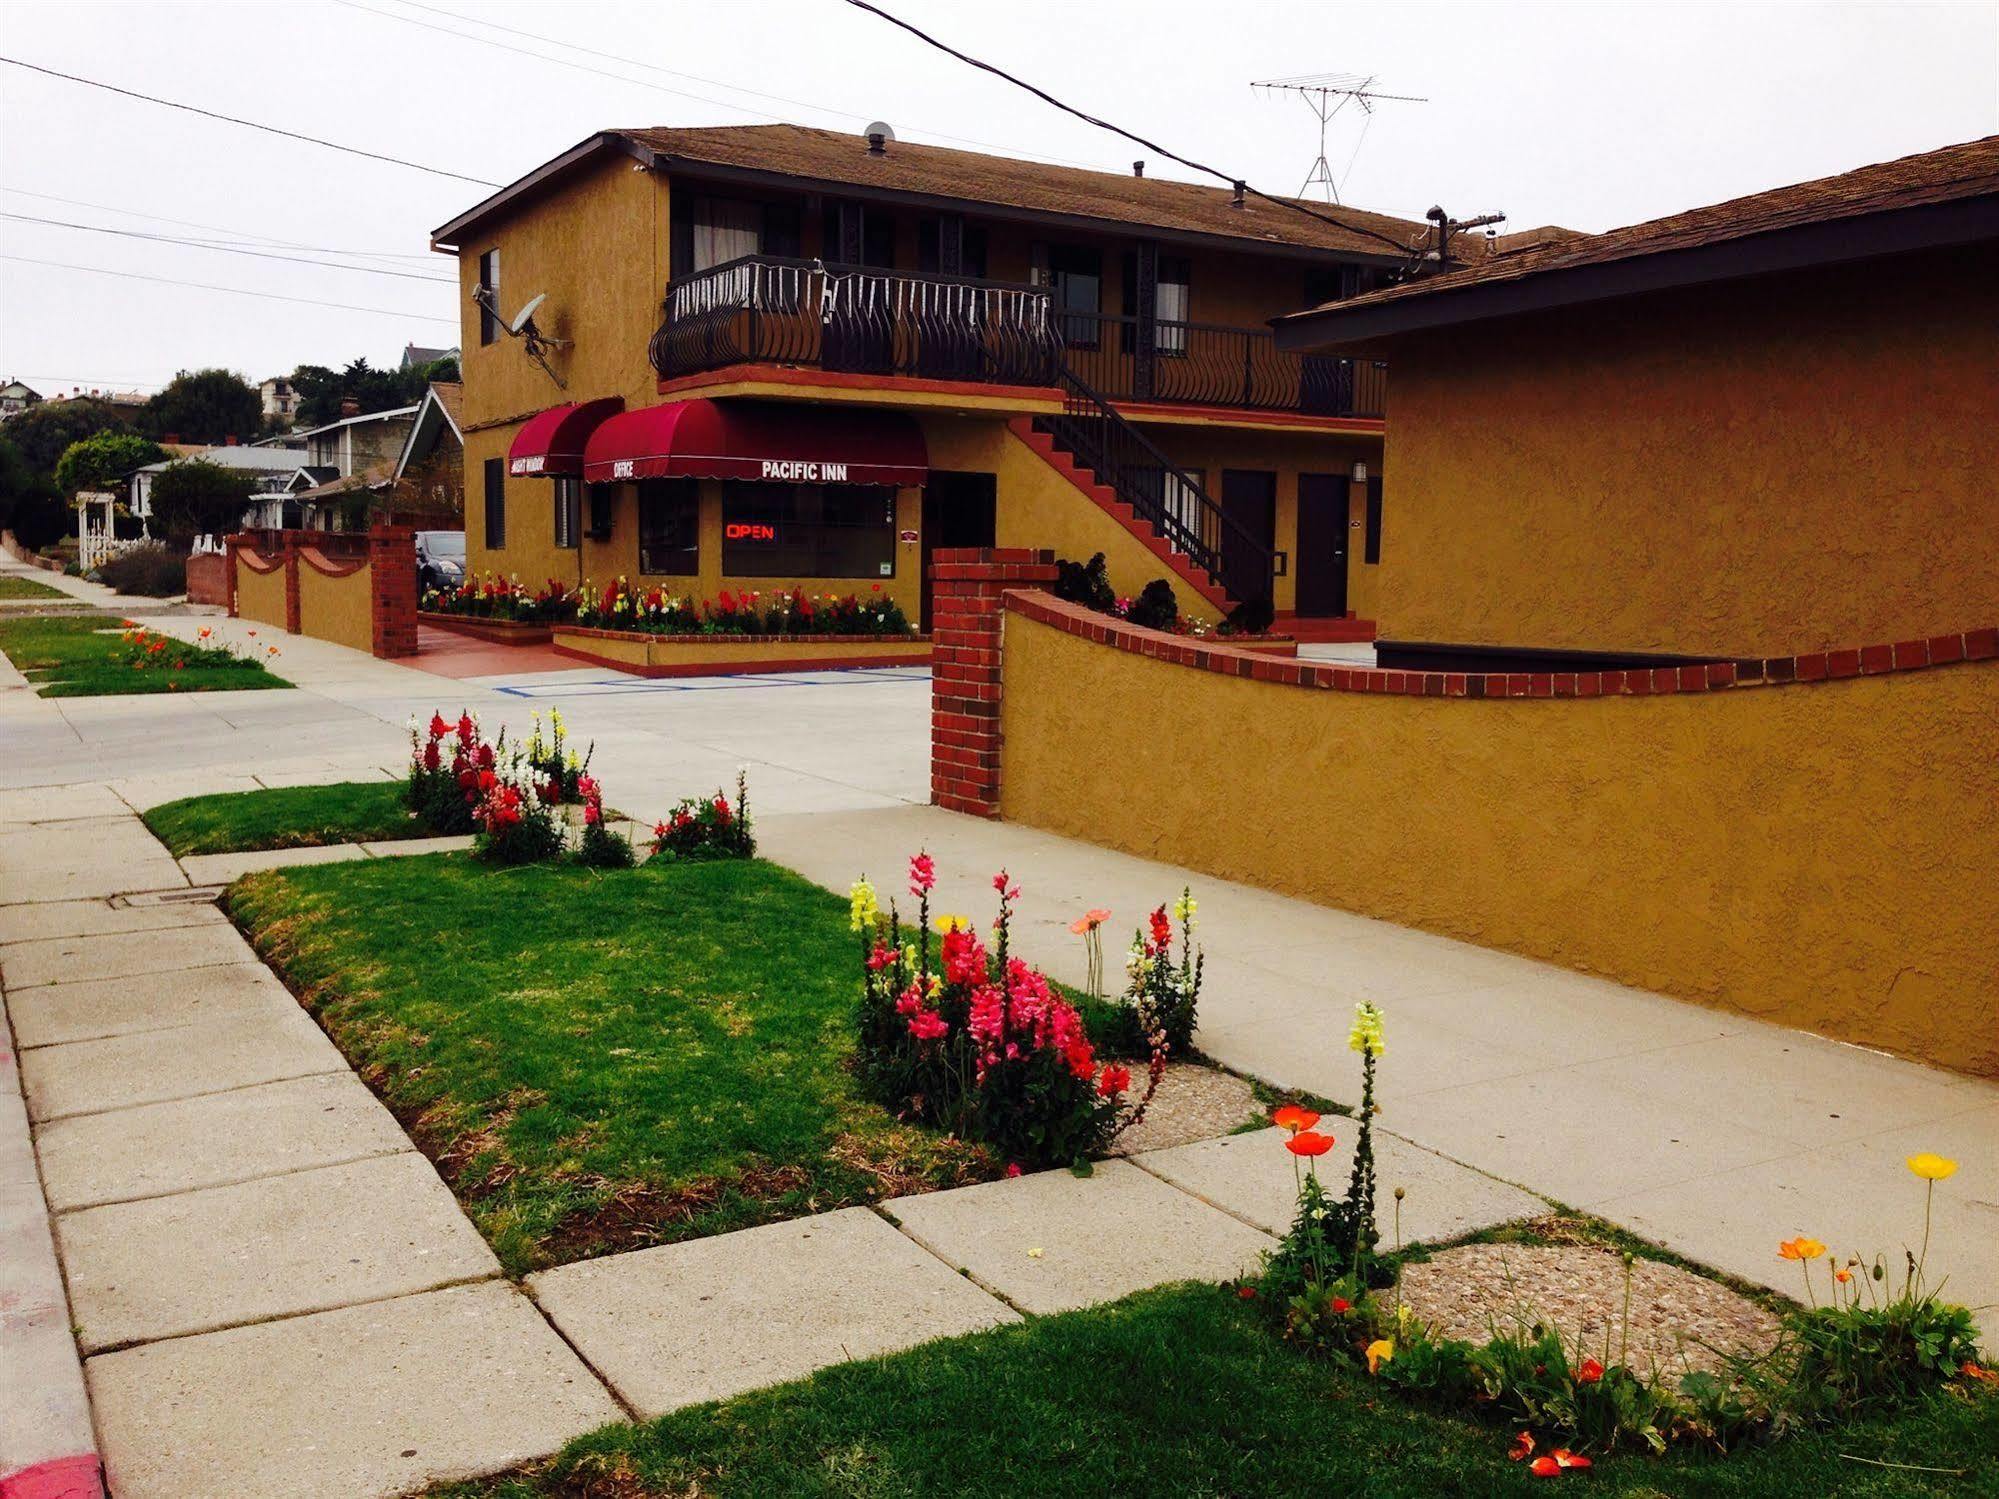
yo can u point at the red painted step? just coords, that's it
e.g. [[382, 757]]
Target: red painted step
[[1064, 463], [1313, 630]]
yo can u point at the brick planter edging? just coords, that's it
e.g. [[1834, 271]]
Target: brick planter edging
[[494, 631], [1709, 676]]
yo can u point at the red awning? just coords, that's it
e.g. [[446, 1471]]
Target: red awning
[[777, 440], [550, 443]]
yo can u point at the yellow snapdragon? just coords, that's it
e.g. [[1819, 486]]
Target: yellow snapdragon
[[1366, 1034]]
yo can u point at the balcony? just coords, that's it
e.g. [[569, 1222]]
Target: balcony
[[766, 310]]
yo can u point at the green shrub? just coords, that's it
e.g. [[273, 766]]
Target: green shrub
[[151, 569]]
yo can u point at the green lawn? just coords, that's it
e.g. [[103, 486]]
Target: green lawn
[[15, 587], [82, 656], [1181, 1391], [289, 817], [601, 1059]]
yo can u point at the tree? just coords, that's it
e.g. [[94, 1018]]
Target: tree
[[321, 390], [100, 460], [207, 406], [42, 433], [30, 504], [194, 497]]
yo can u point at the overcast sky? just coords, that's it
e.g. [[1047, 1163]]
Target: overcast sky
[[1586, 115]]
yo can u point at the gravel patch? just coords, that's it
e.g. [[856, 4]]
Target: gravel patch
[[1193, 1103], [1679, 1321]]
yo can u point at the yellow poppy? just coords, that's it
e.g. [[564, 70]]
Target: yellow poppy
[[1379, 1352], [1800, 1248], [1932, 1168]]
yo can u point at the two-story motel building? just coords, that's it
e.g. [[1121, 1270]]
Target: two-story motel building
[[793, 356]]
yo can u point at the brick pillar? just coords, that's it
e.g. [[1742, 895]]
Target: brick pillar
[[231, 545], [291, 582], [392, 583], [967, 613]]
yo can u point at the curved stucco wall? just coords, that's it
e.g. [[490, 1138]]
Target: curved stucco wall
[[337, 606], [1781, 465], [1816, 855], [261, 595]]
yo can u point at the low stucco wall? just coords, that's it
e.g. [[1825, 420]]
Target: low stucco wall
[[260, 593], [1818, 855], [334, 603], [709, 655]]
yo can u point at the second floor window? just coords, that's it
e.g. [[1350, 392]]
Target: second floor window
[[1077, 276], [725, 229], [1171, 303], [489, 302]]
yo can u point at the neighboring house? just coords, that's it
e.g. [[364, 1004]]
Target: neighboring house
[[345, 462], [16, 397], [428, 484], [416, 357], [281, 400], [872, 348], [270, 466], [127, 403], [1758, 429]]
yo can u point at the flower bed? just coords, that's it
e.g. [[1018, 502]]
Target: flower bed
[[1869, 1340], [499, 601], [781, 614]]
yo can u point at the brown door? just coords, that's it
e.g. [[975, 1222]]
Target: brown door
[[1321, 563], [1249, 498], [959, 510]]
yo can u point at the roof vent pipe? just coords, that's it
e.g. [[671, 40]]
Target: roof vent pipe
[[1138, 169], [1240, 187], [877, 144]]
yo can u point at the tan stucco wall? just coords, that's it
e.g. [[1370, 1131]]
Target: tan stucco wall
[[339, 609], [1772, 467], [1819, 856], [261, 596]]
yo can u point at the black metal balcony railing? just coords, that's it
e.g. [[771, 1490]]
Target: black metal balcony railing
[[765, 310], [1213, 364]]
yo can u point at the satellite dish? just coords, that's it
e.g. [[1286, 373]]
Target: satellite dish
[[881, 128], [522, 317]]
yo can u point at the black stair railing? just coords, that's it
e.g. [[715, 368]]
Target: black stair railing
[[1160, 492]]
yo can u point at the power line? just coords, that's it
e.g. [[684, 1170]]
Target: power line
[[249, 236], [175, 239], [1102, 124], [234, 291], [311, 140], [827, 109]]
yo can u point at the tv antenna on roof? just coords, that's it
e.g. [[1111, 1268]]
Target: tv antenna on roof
[[538, 345], [1326, 94]]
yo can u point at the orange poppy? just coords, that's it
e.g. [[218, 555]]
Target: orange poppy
[[1800, 1248], [1567, 1459], [1544, 1467], [1590, 1372], [1522, 1448], [1309, 1142], [1293, 1118]]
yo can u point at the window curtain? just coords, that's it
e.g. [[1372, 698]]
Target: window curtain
[[724, 230]]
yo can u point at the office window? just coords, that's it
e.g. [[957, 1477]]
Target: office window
[[489, 281], [496, 503], [808, 530], [1373, 552], [568, 512], [670, 527]]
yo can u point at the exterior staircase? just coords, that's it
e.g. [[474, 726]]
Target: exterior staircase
[[1059, 458], [1126, 475]]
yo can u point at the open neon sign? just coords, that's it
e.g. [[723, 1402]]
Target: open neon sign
[[745, 531]]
